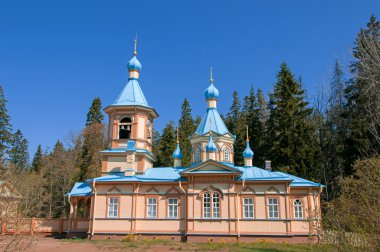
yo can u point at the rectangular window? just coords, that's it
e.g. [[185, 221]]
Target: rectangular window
[[152, 208], [113, 207], [206, 206], [215, 206], [248, 208], [173, 208], [273, 208]]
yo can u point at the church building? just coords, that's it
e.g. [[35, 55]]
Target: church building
[[210, 200]]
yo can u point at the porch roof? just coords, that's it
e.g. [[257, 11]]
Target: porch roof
[[80, 189]]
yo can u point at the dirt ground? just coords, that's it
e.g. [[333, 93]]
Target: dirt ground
[[39, 243], [48, 243]]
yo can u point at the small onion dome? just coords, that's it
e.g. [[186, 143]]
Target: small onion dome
[[177, 154], [248, 153], [134, 64], [210, 145], [212, 92]]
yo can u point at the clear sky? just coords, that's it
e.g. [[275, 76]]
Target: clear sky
[[56, 56]]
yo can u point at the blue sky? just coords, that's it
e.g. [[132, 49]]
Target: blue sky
[[56, 56]]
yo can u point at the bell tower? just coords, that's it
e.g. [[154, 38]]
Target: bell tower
[[130, 131]]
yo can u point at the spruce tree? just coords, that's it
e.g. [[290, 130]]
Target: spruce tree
[[156, 147], [291, 136], [362, 116], [94, 114], [253, 119], [18, 154], [167, 146], [37, 162], [5, 127], [235, 122], [198, 121], [186, 127], [94, 141]]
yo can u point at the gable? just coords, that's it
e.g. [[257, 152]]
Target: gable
[[211, 167]]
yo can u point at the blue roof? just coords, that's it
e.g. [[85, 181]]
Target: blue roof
[[210, 145], [134, 64], [297, 181], [80, 189], [217, 124], [131, 95], [247, 153], [151, 174], [177, 154], [172, 174], [211, 92], [130, 147]]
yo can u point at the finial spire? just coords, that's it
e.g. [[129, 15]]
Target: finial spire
[[135, 49], [211, 79], [177, 136], [246, 126]]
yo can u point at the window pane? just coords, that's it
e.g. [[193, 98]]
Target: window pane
[[113, 205], [173, 208]]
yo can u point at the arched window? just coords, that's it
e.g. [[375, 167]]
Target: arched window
[[149, 134], [197, 155], [227, 154], [298, 211], [208, 199], [125, 128]]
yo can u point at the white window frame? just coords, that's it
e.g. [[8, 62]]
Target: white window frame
[[197, 154], [207, 205], [227, 154], [298, 209], [215, 205], [211, 205], [273, 209], [151, 208], [113, 207], [248, 208], [173, 208]]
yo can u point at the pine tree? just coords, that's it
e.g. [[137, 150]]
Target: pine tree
[[167, 146], [94, 114], [5, 127], [38, 160], [18, 154], [186, 127], [291, 136], [235, 122], [362, 117]]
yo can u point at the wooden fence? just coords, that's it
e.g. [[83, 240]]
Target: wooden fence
[[43, 225]]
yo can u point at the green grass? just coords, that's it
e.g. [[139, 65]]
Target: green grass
[[141, 244]]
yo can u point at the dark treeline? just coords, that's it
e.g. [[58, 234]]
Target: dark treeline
[[333, 139]]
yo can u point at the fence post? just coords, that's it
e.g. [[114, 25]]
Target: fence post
[[32, 226], [3, 227], [60, 225]]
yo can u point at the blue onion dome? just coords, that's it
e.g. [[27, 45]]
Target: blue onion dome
[[177, 154], [212, 92], [248, 153], [210, 145], [134, 64]]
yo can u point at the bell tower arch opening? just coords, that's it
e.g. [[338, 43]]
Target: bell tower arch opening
[[125, 128]]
